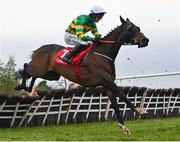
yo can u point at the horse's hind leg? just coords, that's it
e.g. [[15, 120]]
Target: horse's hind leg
[[23, 84], [29, 89], [24, 75]]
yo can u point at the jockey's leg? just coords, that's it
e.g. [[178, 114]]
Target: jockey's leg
[[77, 49]]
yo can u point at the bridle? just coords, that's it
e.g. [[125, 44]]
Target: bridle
[[129, 33]]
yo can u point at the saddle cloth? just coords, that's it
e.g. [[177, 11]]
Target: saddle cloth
[[78, 60]]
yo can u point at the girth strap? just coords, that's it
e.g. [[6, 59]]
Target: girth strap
[[103, 56]]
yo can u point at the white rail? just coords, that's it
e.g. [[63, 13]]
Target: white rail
[[148, 75], [157, 80]]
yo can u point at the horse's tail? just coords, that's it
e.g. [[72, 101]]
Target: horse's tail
[[23, 72]]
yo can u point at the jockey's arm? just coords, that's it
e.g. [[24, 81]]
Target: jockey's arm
[[95, 32]]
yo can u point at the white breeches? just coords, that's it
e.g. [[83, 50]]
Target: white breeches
[[71, 39]]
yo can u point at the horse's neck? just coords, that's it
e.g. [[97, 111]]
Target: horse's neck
[[111, 49]]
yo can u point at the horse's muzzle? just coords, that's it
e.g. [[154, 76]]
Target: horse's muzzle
[[143, 43]]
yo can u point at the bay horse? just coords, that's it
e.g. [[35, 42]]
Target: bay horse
[[99, 71]]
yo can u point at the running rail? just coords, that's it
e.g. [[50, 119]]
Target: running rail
[[148, 75]]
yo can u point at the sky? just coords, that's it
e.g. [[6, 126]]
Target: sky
[[25, 25]]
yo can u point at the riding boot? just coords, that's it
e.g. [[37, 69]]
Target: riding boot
[[77, 49]]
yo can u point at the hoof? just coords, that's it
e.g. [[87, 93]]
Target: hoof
[[20, 87], [27, 89], [33, 93], [140, 111], [124, 130]]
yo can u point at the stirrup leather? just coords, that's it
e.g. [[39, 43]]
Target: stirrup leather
[[66, 60]]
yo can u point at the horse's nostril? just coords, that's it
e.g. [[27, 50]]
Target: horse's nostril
[[145, 40]]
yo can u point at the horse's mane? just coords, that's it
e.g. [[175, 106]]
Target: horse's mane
[[111, 32]]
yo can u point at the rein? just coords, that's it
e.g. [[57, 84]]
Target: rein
[[107, 41], [110, 42]]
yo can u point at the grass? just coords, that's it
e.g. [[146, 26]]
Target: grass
[[152, 129]]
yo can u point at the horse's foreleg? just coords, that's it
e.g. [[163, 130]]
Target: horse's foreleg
[[118, 93], [139, 111], [114, 104], [119, 115]]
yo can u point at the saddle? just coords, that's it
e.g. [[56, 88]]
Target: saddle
[[78, 60]]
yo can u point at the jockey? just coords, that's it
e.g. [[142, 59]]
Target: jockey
[[75, 33]]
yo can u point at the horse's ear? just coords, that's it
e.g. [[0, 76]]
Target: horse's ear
[[127, 19], [122, 20]]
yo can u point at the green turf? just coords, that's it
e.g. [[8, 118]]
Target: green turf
[[153, 129]]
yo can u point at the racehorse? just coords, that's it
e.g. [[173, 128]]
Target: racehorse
[[99, 70]]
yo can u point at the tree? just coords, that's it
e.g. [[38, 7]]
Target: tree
[[1, 68], [10, 68], [7, 78], [1, 73]]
